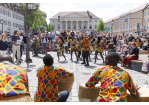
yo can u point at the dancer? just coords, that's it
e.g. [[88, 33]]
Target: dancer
[[61, 47], [86, 46], [99, 48], [73, 47]]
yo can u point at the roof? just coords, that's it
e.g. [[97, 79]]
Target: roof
[[130, 11], [84, 13]]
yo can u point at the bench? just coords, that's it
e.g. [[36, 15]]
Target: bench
[[143, 52], [137, 64]]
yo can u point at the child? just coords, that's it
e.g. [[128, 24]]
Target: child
[[66, 46]]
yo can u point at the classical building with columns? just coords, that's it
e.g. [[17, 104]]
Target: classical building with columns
[[82, 20]]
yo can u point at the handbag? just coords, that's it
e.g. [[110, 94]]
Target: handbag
[[144, 66]]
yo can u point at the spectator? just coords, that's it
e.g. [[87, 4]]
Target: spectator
[[31, 33], [138, 44], [51, 37], [39, 38], [108, 38], [21, 39], [145, 45], [16, 45], [134, 55], [142, 41], [9, 39], [134, 40], [119, 44], [39, 32], [35, 33], [110, 77], [125, 40], [138, 38], [54, 46], [35, 46], [4, 45], [146, 37], [20, 31], [25, 42], [114, 39], [131, 38], [14, 79], [44, 41], [148, 65], [65, 34], [45, 87], [123, 52], [104, 43], [66, 46], [72, 34]]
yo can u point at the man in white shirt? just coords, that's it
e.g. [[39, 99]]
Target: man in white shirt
[[20, 30], [88, 32], [44, 41]]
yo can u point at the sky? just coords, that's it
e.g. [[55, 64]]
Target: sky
[[101, 10]]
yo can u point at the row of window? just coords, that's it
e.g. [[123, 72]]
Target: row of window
[[74, 27], [145, 13], [130, 19], [18, 25], [7, 13], [59, 20], [131, 27]]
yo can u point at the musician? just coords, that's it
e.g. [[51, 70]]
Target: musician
[[114, 81], [48, 75]]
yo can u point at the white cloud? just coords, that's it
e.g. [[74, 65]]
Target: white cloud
[[101, 10]]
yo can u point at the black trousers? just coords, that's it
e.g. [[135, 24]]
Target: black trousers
[[85, 56], [79, 53]]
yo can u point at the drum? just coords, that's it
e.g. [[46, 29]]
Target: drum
[[144, 95], [18, 98], [88, 95], [65, 84]]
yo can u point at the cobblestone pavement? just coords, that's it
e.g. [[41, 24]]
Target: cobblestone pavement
[[81, 73]]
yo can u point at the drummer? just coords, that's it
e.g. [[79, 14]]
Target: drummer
[[13, 79], [114, 81], [47, 90]]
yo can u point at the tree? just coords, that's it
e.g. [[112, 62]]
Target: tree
[[40, 16], [100, 25], [52, 28], [49, 27]]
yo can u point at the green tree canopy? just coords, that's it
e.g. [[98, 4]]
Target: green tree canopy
[[100, 25]]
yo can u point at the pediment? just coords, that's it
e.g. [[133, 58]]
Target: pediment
[[74, 15]]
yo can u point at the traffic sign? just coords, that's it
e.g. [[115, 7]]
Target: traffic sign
[[126, 20]]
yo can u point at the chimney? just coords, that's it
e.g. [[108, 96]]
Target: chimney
[[88, 12]]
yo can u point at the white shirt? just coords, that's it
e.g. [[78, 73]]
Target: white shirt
[[88, 32], [66, 44], [21, 38], [44, 40]]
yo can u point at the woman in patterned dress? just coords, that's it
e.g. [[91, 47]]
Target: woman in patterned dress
[[61, 47], [99, 48], [73, 47]]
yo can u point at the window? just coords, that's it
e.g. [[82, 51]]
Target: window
[[136, 25], [144, 13], [147, 27], [4, 12], [130, 26], [53, 21], [58, 20], [95, 20], [9, 14], [133, 26], [68, 26], [63, 26], [90, 20], [139, 15], [133, 17], [13, 15], [148, 12], [58, 26], [0, 10], [54, 26], [74, 26], [136, 16], [90, 27], [13, 24], [130, 18], [95, 26], [79, 26], [9, 23], [5, 22]]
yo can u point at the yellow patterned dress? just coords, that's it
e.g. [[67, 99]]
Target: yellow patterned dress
[[92, 45], [99, 46], [60, 49], [78, 47], [73, 45]]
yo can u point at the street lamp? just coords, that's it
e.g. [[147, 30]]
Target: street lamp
[[112, 28], [27, 9], [2, 24]]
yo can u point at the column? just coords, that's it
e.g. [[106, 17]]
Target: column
[[88, 26], [82, 25], [77, 26], [66, 25], [60, 25], [71, 25]]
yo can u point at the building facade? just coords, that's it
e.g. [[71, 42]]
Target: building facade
[[12, 19], [146, 20], [84, 20], [127, 22]]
